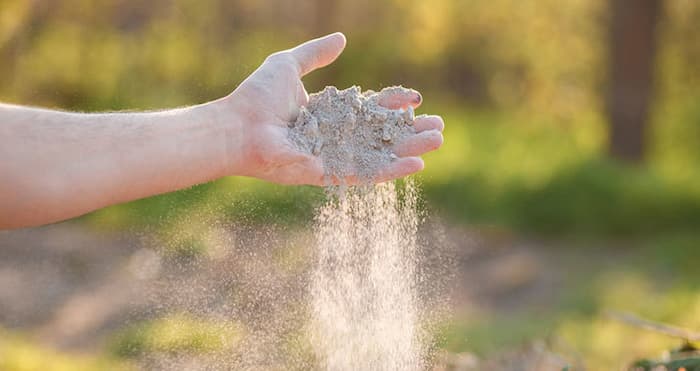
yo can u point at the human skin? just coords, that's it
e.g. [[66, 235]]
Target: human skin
[[57, 165]]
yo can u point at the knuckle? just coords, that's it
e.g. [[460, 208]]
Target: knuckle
[[280, 57], [284, 59]]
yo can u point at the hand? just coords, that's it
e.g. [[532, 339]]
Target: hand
[[270, 98]]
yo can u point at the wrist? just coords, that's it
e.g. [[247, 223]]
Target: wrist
[[224, 126]]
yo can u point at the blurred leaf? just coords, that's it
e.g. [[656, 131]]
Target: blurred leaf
[[176, 333]]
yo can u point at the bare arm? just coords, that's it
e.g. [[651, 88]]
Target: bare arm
[[56, 165]]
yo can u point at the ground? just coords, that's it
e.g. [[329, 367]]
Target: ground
[[82, 291]]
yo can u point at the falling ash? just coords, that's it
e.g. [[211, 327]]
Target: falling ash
[[364, 301]]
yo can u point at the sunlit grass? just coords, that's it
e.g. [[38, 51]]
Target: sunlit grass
[[18, 353], [176, 333]]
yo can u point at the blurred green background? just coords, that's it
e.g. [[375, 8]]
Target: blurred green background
[[575, 124]]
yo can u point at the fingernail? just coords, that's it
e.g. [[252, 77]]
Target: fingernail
[[418, 98]]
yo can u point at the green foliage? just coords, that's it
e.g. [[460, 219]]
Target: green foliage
[[176, 333], [685, 358], [598, 196], [550, 180], [490, 335], [593, 197]]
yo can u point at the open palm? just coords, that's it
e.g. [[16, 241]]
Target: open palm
[[270, 98]]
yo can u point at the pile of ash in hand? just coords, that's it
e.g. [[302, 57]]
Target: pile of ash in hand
[[350, 131]]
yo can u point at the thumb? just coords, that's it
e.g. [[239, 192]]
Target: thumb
[[318, 53]]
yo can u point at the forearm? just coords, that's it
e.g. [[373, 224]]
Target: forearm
[[56, 165]]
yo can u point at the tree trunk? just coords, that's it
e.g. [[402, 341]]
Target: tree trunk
[[632, 36]]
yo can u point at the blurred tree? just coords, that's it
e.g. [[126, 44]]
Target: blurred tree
[[632, 49], [542, 60], [324, 21]]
